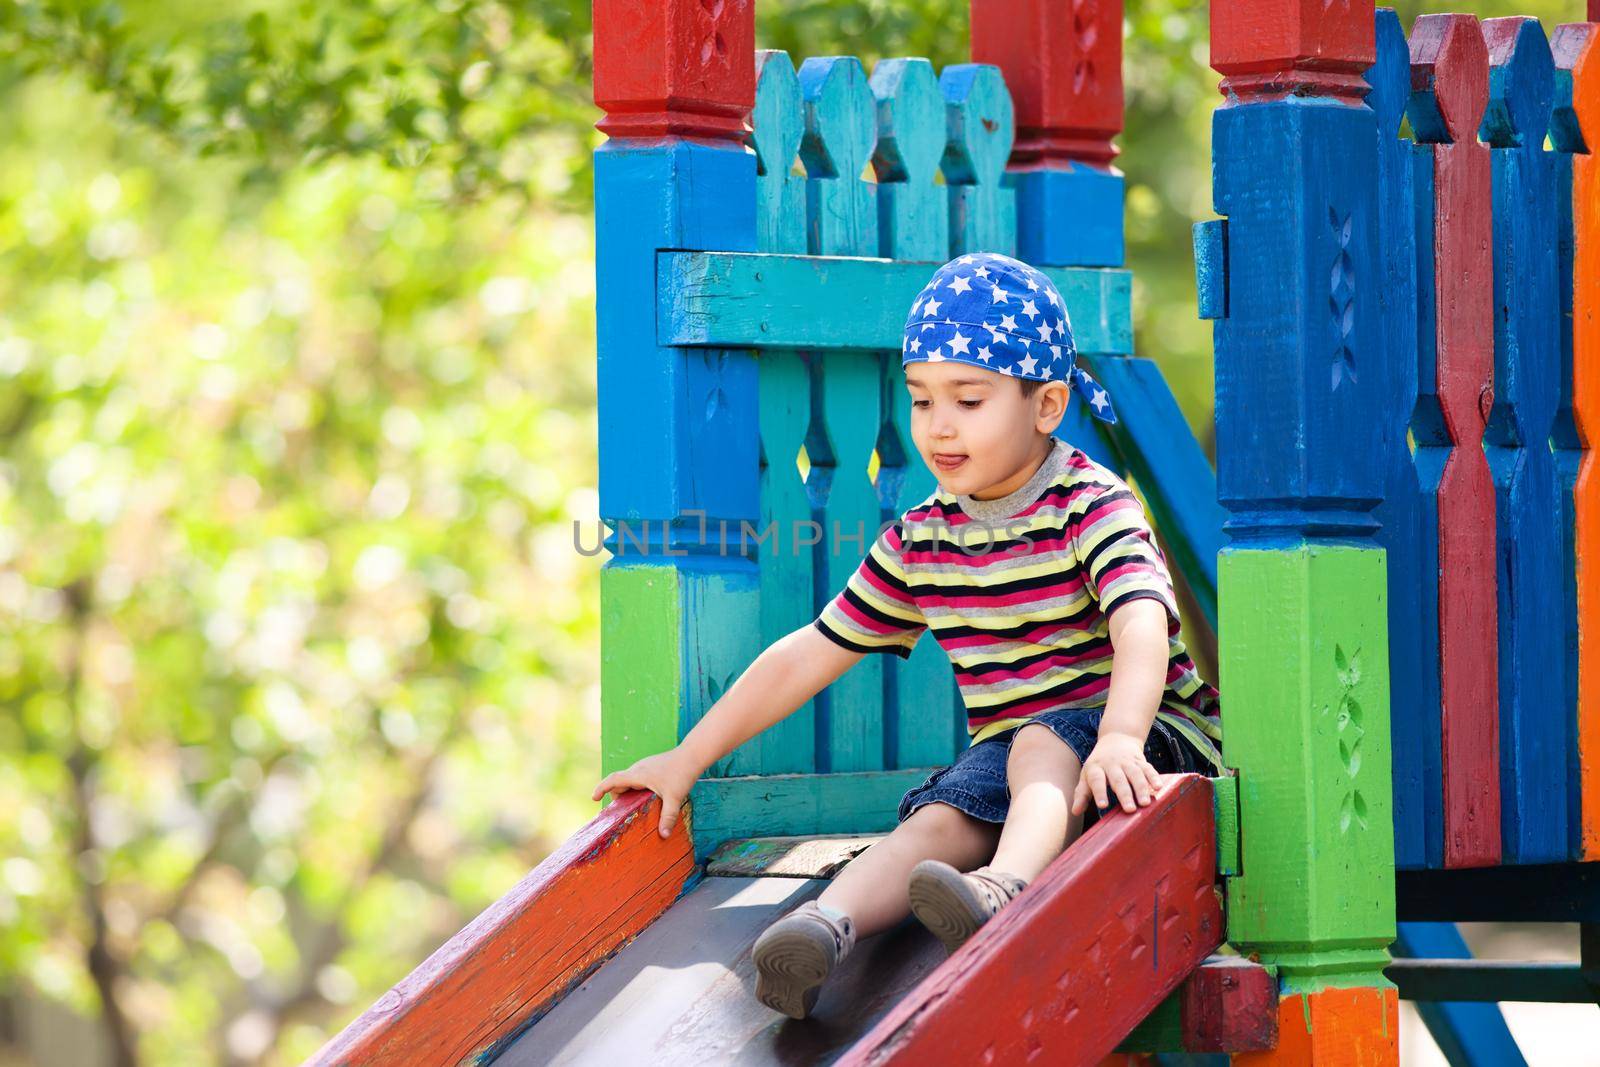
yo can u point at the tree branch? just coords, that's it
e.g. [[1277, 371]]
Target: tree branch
[[104, 968]]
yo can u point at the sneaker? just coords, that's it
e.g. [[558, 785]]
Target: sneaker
[[953, 905], [795, 954]]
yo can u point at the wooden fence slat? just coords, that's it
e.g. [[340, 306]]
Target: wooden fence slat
[[1405, 532], [841, 124], [1533, 724], [851, 389], [1450, 61], [1573, 130], [776, 125], [978, 116], [1580, 68], [913, 209], [840, 132], [786, 578], [924, 716]]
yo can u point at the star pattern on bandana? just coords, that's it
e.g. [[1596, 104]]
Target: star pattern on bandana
[[992, 310]]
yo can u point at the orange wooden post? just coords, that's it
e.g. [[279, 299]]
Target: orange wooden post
[[1334, 1027], [1578, 62]]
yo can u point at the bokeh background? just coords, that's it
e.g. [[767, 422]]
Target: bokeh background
[[298, 662]]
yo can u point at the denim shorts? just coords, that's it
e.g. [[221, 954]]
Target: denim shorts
[[976, 782]]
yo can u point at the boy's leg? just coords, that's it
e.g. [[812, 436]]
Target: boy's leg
[[871, 888], [1042, 771]]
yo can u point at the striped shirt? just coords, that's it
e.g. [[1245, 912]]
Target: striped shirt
[[1018, 591]]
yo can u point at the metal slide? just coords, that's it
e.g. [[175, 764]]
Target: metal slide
[[683, 991]]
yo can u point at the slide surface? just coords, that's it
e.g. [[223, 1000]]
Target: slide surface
[[618, 944], [683, 991]]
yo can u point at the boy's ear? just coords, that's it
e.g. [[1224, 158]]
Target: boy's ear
[[1051, 401]]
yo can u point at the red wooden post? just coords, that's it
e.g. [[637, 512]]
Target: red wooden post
[[1450, 65], [1062, 61], [682, 68], [1063, 65], [1268, 49], [1230, 1005]]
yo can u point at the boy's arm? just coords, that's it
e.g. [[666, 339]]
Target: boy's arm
[[1138, 679], [1138, 668], [789, 672]]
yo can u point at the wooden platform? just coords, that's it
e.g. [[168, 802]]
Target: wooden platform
[[684, 990]]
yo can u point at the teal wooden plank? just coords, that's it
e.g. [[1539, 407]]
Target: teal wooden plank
[[718, 640], [782, 804], [983, 208], [850, 711], [913, 213], [787, 572], [860, 802], [776, 127], [1163, 456], [924, 719], [755, 300], [840, 132]]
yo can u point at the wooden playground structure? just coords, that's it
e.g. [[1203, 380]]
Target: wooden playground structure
[[1397, 548]]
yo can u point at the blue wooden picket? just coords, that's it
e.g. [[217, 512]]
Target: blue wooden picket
[[1409, 520], [1566, 137], [1533, 729]]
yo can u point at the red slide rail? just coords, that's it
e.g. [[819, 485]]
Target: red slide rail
[[1069, 968], [512, 963]]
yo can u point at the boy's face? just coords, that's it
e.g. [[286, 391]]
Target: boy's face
[[975, 430]]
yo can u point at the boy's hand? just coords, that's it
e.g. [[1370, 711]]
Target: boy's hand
[[1119, 760], [670, 775]]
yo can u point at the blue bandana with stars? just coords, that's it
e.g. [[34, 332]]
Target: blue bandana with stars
[[1000, 314]]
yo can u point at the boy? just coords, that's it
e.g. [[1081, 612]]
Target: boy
[[1037, 572]]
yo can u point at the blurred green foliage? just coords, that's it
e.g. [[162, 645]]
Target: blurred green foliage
[[298, 662]]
